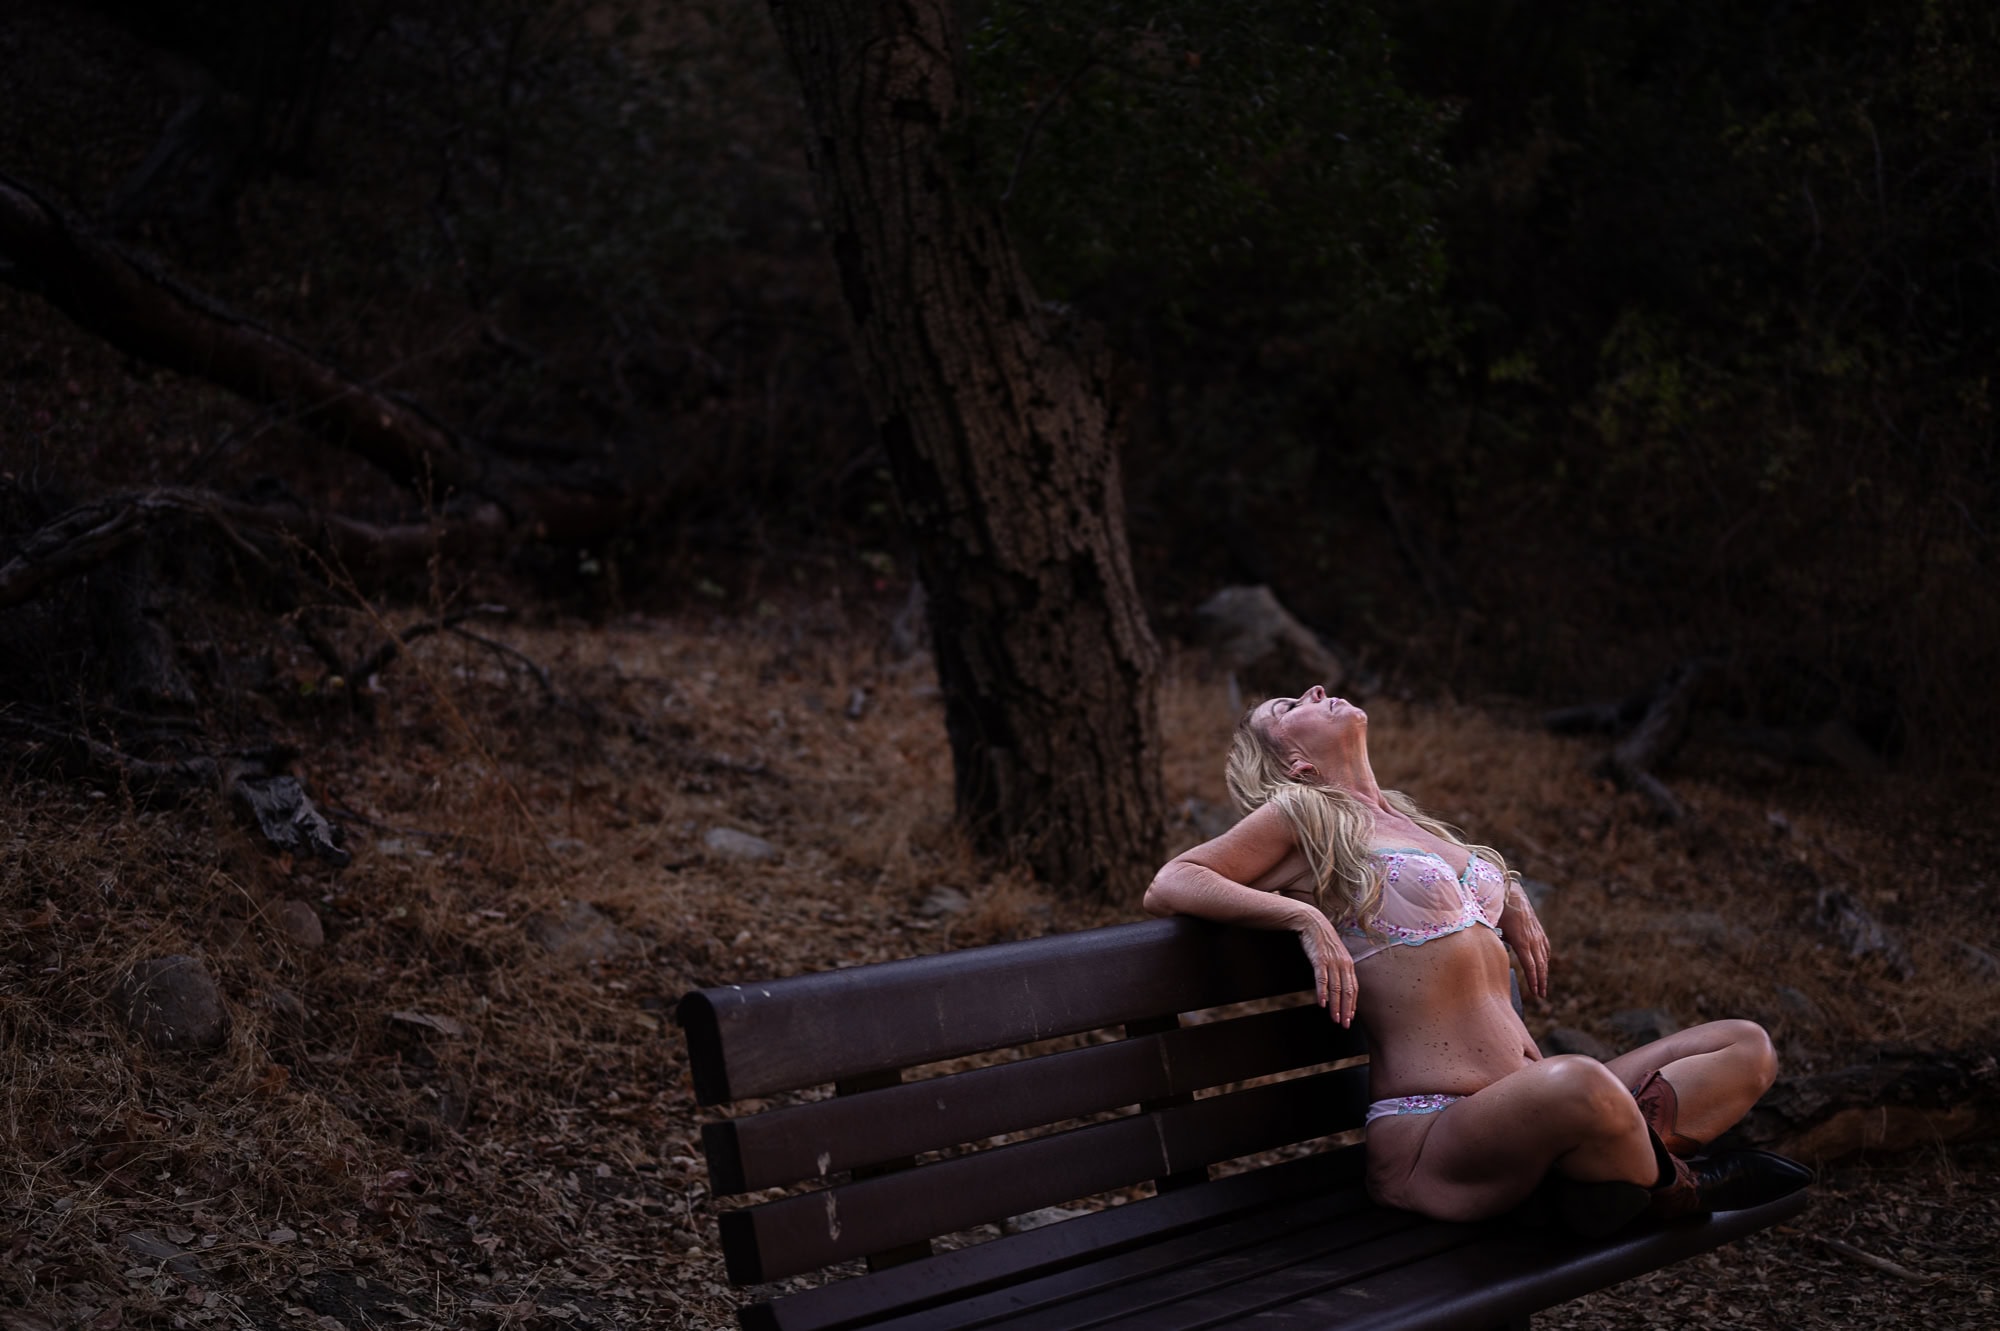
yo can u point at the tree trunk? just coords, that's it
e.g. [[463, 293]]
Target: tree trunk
[[994, 414]]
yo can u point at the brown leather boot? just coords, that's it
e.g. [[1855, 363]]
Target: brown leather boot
[[1662, 1109]]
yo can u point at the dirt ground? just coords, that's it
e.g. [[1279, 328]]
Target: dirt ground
[[465, 1103]]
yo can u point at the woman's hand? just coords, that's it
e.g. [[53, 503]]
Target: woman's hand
[[1523, 932], [1333, 968]]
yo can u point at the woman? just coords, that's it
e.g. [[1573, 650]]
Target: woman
[[1404, 924]]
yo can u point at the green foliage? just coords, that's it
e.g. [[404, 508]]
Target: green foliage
[[1199, 161]]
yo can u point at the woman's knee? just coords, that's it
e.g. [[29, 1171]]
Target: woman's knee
[[1587, 1094], [1760, 1056]]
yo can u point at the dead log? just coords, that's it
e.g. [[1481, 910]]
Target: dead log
[[279, 808], [1895, 1100], [74, 754], [92, 533], [122, 298], [1655, 724]]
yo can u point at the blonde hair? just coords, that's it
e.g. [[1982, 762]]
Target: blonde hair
[[1331, 826]]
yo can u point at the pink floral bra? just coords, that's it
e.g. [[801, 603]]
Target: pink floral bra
[[1422, 900]]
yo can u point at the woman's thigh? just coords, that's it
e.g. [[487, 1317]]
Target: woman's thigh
[[1718, 1070], [1485, 1154]]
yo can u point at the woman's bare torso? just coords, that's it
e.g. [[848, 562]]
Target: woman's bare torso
[[1439, 1016]]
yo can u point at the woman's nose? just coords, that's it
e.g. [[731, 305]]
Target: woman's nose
[[1315, 694]]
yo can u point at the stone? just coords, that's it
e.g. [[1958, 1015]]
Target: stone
[[1569, 1040], [1263, 645], [145, 1243], [286, 1006], [1537, 892], [1643, 1025], [1794, 1005], [732, 844], [297, 923], [173, 1003], [1976, 960], [944, 900], [583, 934]]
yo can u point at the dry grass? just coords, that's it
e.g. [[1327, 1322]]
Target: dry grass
[[529, 1156]]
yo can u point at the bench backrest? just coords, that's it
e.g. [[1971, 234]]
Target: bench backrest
[[906, 1161]]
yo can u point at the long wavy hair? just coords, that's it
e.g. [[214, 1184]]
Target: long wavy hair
[[1331, 826]]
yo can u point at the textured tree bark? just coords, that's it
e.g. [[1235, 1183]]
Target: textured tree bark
[[994, 413]]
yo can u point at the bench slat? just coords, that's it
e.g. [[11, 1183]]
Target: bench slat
[[807, 1030], [1321, 1263], [865, 1300], [1105, 1287], [815, 1229], [830, 1136], [1510, 1273]]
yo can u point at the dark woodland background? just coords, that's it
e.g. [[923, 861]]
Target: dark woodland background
[[454, 597], [1521, 350]]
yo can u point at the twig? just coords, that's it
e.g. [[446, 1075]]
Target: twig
[[502, 650], [378, 660], [1854, 1254]]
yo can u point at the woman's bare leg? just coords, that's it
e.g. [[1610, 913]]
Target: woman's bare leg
[[1486, 1153], [1718, 1071]]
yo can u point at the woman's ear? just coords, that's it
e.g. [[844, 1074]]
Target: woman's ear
[[1303, 770]]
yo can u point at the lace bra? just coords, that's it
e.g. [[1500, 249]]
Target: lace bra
[[1422, 900]]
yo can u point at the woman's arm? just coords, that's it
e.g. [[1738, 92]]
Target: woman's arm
[[1522, 929], [1234, 880]]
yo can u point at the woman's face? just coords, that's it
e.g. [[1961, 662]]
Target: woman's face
[[1313, 725]]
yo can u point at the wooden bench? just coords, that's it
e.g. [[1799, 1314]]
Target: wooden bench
[[896, 1164]]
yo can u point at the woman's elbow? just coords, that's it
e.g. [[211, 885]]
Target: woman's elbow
[[1159, 894]]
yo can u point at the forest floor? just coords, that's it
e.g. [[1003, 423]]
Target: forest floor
[[461, 1100]]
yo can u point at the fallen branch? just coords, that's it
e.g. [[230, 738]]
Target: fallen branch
[[1869, 1259], [91, 533], [115, 294], [1901, 1099], [77, 754]]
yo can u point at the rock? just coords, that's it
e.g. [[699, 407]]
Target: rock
[[1795, 1006], [857, 703], [173, 1003], [732, 844], [1537, 892], [280, 809], [583, 934], [1977, 961], [1842, 916], [567, 845], [1048, 1215], [1643, 1025], [286, 1006], [145, 1243], [944, 901], [1260, 642], [297, 923], [1569, 1040]]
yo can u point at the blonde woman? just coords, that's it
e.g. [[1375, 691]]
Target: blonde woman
[[1407, 926]]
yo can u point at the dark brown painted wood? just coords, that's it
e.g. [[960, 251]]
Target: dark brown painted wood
[[1512, 1272], [808, 1030], [1226, 1291], [1156, 1071], [802, 1233], [1164, 1272], [1039, 1253]]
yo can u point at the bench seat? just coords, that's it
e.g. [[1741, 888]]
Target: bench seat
[[1153, 1089]]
